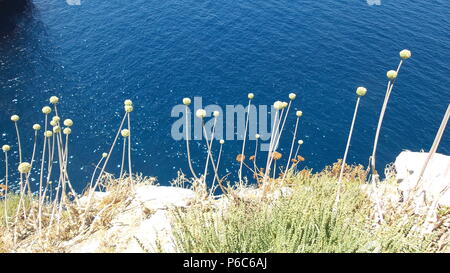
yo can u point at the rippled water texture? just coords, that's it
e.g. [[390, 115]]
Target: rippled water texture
[[95, 55]]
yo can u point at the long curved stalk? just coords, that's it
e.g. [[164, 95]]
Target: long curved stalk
[[216, 170], [187, 144], [245, 137], [123, 156], [380, 121], [129, 151], [346, 150], [292, 148], [6, 191], [210, 144]]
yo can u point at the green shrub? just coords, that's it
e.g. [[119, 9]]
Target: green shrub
[[306, 222]]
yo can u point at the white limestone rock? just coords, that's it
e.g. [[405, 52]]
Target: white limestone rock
[[436, 179]]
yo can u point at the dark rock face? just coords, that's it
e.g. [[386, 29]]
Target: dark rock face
[[12, 7], [10, 11]]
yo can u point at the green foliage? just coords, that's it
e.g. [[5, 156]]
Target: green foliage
[[306, 221]]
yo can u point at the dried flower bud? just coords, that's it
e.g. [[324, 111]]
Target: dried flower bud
[[276, 155], [56, 119], [186, 101], [299, 113], [54, 99], [48, 133], [222, 141], [257, 136], [24, 167], [292, 96], [216, 114], [56, 129], [361, 91], [104, 155], [15, 118], [250, 96], [46, 110], [53, 123], [36, 127], [6, 148], [128, 108], [278, 105], [128, 102], [125, 132], [300, 142], [68, 122], [391, 74], [200, 113], [240, 157], [67, 131], [405, 54]]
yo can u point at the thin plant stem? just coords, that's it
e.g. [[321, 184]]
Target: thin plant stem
[[270, 146], [187, 144], [95, 170], [6, 191], [123, 156], [292, 148], [346, 150], [210, 144], [216, 170], [434, 146], [245, 137], [129, 151], [380, 121]]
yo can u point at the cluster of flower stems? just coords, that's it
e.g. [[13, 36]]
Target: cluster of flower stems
[[50, 198], [262, 174]]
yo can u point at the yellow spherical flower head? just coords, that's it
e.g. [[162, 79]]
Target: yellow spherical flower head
[[48, 133], [54, 99], [250, 96], [56, 119], [278, 105], [24, 167], [104, 155], [391, 74], [6, 148], [405, 54], [292, 96], [46, 110], [300, 142], [361, 91], [67, 131], [53, 123], [216, 114], [36, 127], [186, 101], [222, 141], [125, 132], [257, 136], [68, 122], [15, 118], [201, 113], [56, 129], [299, 113], [128, 102], [128, 108]]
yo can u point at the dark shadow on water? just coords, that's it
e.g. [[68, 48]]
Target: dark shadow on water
[[11, 13]]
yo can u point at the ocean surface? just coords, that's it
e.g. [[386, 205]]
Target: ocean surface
[[96, 54]]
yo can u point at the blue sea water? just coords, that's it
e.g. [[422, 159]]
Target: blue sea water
[[95, 55]]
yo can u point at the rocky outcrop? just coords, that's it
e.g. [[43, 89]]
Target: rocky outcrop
[[435, 183], [143, 226], [11, 7]]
